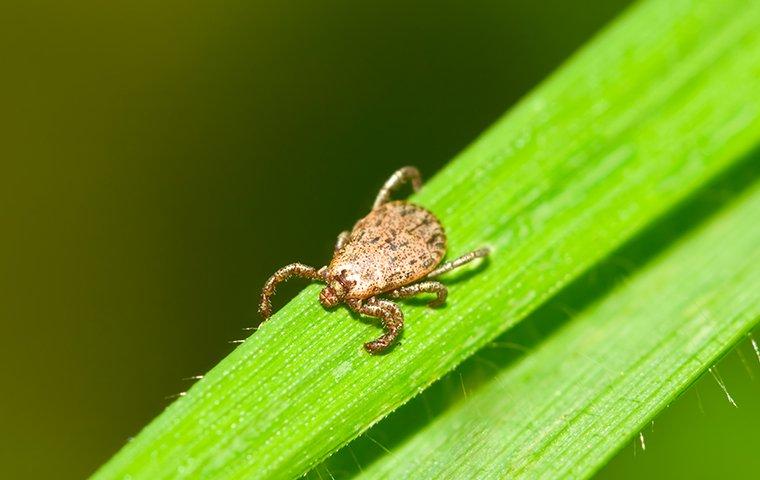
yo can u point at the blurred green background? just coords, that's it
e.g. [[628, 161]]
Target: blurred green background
[[160, 160]]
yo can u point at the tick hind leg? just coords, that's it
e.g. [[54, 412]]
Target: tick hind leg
[[342, 240], [292, 270], [388, 313], [399, 177], [449, 266], [423, 287]]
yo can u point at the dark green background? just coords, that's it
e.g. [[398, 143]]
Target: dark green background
[[160, 159]]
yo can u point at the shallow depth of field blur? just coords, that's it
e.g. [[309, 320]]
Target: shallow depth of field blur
[[160, 160]]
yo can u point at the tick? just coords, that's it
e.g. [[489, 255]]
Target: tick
[[393, 252]]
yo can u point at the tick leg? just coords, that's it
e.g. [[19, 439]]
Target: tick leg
[[342, 239], [292, 270], [422, 287], [449, 266], [388, 313], [399, 177]]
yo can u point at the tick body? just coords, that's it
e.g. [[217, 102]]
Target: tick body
[[393, 252]]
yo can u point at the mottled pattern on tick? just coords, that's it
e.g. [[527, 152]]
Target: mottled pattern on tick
[[395, 245]]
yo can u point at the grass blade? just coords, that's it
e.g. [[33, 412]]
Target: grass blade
[[660, 103], [564, 409]]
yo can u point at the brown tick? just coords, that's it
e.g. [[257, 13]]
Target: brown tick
[[394, 251]]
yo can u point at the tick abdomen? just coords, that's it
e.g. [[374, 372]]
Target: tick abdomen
[[394, 245]]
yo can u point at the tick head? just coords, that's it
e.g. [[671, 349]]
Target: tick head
[[332, 294]]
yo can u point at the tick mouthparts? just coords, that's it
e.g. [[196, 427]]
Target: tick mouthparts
[[328, 298]]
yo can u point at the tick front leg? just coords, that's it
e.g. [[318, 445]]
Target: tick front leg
[[449, 266], [422, 287], [342, 240], [292, 270], [388, 313], [399, 177]]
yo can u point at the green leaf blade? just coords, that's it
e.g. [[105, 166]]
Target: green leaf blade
[[655, 107], [567, 407]]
